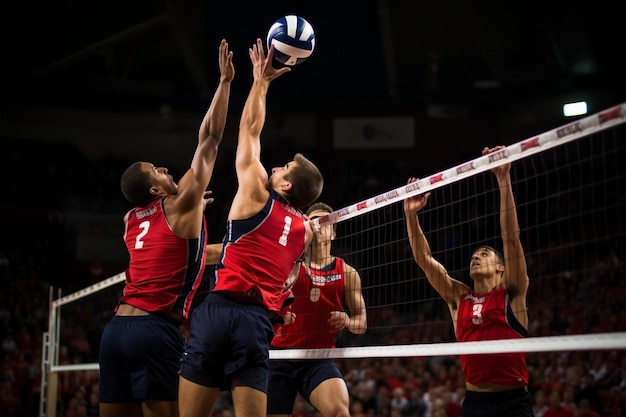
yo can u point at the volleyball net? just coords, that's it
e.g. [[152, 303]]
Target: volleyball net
[[570, 189]]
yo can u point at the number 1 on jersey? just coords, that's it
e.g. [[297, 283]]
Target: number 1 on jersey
[[286, 229]]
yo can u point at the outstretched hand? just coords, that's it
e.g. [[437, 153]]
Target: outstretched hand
[[500, 171], [206, 198], [414, 204], [261, 65], [227, 69]]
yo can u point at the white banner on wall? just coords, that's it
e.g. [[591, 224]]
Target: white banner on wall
[[373, 132]]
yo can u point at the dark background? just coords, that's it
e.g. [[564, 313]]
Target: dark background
[[88, 87], [371, 54]]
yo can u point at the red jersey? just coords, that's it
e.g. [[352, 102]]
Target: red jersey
[[259, 253], [165, 270], [316, 295], [489, 317]]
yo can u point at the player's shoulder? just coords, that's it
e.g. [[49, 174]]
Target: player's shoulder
[[347, 268]]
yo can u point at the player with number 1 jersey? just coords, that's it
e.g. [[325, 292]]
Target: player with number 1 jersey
[[248, 269], [228, 346]]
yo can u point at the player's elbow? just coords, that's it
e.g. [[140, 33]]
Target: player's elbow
[[214, 138]]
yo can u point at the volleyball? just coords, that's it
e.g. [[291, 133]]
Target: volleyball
[[293, 39]]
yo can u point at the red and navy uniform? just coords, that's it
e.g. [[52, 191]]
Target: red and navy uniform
[[139, 356], [231, 329], [165, 270], [316, 296], [489, 317], [259, 253]]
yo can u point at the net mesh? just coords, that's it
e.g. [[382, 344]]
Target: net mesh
[[569, 186]]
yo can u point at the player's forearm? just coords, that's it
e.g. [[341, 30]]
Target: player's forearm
[[253, 115], [419, 245], [508, 212], [214, 121]]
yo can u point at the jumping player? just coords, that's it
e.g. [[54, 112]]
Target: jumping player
[[165, 235], [266, 234]]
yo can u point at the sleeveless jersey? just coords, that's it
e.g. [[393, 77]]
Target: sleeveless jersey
[[315, 297], [489, 317], [259, 253], [165, 270]]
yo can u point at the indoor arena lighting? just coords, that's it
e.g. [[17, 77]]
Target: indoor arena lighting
[[575, 109]]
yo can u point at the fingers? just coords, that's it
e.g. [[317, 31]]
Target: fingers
[[282, 71], [256, 50], [206, 198], [261, 51], [338, 319], [263, 64], [227, 70], [487, 150]]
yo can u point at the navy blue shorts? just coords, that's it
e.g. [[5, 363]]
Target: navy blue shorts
[[514, 403], [288, 377], [140, 359], [228, 344]]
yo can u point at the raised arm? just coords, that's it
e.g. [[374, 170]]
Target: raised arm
[[251, 175], [515, 273], [193, 184], [448, 288]]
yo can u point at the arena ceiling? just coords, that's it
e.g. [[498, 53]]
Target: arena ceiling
[[370, 53]]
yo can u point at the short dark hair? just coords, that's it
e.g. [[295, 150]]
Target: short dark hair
[[499, 255], [306, 180], [136, 183], [319, 206]]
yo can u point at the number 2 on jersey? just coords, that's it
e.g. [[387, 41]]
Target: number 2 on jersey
[[144, 226]]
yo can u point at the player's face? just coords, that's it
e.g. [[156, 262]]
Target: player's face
[[484, 261], [326, 230], [278, 174], [163, 180]]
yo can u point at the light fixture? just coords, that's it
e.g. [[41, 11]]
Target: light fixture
[[575, 109]]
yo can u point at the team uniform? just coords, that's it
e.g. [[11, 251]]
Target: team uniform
[[489, 317], [317, 293], [231, 329], [140, 355]]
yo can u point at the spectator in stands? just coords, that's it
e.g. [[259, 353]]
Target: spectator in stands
[[585, 410], [556, 408], [540, 404]]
